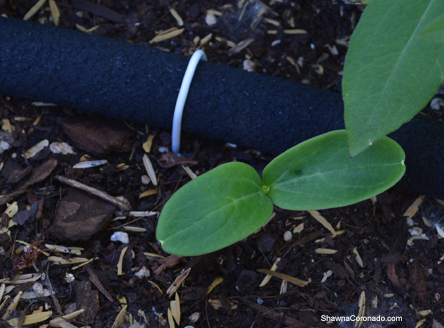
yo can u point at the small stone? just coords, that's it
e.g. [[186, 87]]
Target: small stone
[[436, 103], [120, 236], [288, 235], [415, 231], [210, 19], [61, 148], [249, 65], [142, 273], [6, 140], [145, 179]]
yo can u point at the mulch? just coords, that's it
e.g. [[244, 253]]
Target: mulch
[[86, 189]]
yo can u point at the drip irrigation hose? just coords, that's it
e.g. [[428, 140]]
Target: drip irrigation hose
[[140, 84]]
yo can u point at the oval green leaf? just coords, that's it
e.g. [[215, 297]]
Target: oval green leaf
[[390, 71], [213, 211], [319, 173]]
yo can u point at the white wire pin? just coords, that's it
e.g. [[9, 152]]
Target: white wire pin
[[182, 97]]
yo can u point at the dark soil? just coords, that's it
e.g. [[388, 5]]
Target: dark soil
[[399, 279]]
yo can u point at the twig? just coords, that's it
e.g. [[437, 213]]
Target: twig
[[96, 192], [95, 280]]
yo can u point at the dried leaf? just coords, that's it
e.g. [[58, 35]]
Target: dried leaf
[[65, 249], [167, 35], [190, 173], [32, 318], [325, 251], [11, 308], [323, 221], [119, 319], [175, 308], [31, 152], [149, 169], [61, 260], [295, 31], [358, 258], [34, 9], [268, 276], [134, 229], [170, 319], [148, 193], [282, 276], [178, 281], [411, 211], [120, 263], [169, 160], [89, 164], [217, 281], [148, 143], [55, 13], [176, 17]]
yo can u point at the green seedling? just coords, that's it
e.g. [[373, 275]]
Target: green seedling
[[231, 201], [394, 66]]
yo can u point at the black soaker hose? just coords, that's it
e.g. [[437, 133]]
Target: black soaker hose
[[141, 84]]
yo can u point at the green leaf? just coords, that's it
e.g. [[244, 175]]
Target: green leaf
[[213, 211], [435, 31], [390, 73], [319, 174]]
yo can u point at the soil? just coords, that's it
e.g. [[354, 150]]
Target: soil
[[374, 256]]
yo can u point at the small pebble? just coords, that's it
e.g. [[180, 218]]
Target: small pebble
[[210, 19], [415, 231], [142, 273], [260, 300], [194, 317], [38, 289], [145, 179], [120, 236], [436, 103], [69, 277], [288, 235]]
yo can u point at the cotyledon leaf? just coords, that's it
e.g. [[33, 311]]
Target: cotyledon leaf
[[390, 71], [319, 173], [213, 211]]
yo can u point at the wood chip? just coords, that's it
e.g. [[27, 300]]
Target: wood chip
[[323, 221], [149, 169], [24, 278], [31, 152], [295, 31], [60, 260], [290, 279], [55, 13], [64, 249], [141, 214], [34, 9], [148, 193], [175, 309], [120, 263], [134, 229], [205, 40], [11, 308], [272, 21], [59, 320], [216, 281], [178, 281], [190, 173], [89, 164], [170, 319], [32, 318], [268, 276], [113, 200], [214, 12], [176, 17], [167, 35], [358, 258], [119, 319], [241, 46], [148, 143], [413, 209], [325, 251]]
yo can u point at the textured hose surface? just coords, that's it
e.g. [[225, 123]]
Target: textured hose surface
[[141, 84]]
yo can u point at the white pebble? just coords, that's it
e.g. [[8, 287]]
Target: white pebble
[[415, 231], [142, 273], [436, 103], [288, 235], [145, 179], [38, 289], [210, 19], [69, 277], [410, 222], [194, 317], [120, 236]]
